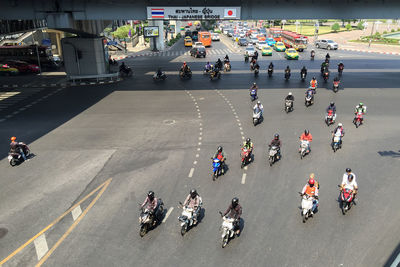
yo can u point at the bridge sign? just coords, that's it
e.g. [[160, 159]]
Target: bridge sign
[[193, 13]]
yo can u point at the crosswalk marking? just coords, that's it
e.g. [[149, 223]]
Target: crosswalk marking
[[10, 98], [210, 51]]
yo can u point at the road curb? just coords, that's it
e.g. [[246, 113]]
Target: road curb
[[63, 84]]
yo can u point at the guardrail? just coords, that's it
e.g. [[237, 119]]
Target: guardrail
[[97, 77]]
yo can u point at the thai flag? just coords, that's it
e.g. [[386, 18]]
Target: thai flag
[[157, 13]]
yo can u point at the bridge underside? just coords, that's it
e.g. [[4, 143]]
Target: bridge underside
[[251, 9]]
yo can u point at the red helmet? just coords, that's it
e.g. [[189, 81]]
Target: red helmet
[[184, 62], [311, 181]]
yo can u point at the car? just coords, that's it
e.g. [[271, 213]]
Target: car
[[261, 37], [22, 66], [250, 50], [198, 51], [243, 42], [225, 31], [326, 43], [242, 34], [270, 41], [197, 44], [214, 37], [253, 40], [230, 33], [260, 44], [253, 35], [279, 47], [291, 53], [266, 51], [7, 70], [188, 41]]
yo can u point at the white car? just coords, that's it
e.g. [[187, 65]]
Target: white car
[[242, 34], [253, 35], [215, 37], [197, 44], [260, 44], [326, 43], [250, 50], [253, 40]]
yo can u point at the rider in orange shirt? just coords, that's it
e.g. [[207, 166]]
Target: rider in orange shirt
[[307, 137], [311, 189]]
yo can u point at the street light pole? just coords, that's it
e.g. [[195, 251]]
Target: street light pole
[[37, 53]]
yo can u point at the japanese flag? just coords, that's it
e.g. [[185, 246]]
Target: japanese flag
[[230, 13]]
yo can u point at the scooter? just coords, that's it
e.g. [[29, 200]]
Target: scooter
[[245, 154], [329, 118], [273, 155], [312, 55], [148, 219], [270, 71], [287, 76], [214, 74], [217, 168], [227, 66], [336, 141], [227, 229], [156, 77], [187, 74], [253, 94], [309, 99], [16, 158], [346, 196], [257, 114], [336, 86], [288, 106], [303, 76], [256, 71], [187, 218], [325, 75], [358, 119], [304, 148], [306, 206]]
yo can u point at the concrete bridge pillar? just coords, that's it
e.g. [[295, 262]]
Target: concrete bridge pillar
[[158, 41]]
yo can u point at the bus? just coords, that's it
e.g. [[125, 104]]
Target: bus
[[294, 40], [28, 54], [276, 34], [205, 38]]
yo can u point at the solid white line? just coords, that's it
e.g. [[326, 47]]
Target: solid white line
[[41, 246], [76, 212], [244, 178], [167, 215], [396, 261], [191, 173]]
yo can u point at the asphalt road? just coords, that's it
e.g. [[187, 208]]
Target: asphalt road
[[149, 136]]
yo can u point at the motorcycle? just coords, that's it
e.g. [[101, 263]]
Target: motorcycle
[[16, 158], [336, 86], [304, 148], [227, 66], [270, 71], [288, 106], [314, 88], [187, 218], [347, 197], [309, 99], [325, 75], [214, 74], [253, 94], [256, 116], [358, 119], [256, 71], [127, 72], [156, 77], [149, 219], [252, 65], [187, 74], [217, 168], [329, 118], [303, 76], [340, 70], [306, 206], [206, 70], [245, 154], [336, 141], [227, 229], [273, 155], [312, 55], [287, 75]]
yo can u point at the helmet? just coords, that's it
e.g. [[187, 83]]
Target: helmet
[[306, 132], [208, 62], [340, 124], [313, 78], [193, 193], [151, 195], [312, 175], [287, 67], [332, 104], [219, 149], [311, 181], [350, 177], [290, 93], [361, 104], [13, 138], [276, 136], [235, 201], [348, 170], [184, 62], [248, 140], [254, 83], [304, 67], [258, 102]]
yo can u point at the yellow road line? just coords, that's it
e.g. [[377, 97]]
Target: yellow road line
[[53, 223], [45, 257]]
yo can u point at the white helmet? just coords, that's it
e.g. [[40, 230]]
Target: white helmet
[[340, 124], [290, 93], [258, 102]]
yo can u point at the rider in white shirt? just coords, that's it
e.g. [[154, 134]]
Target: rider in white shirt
[[349, 181], [259, 106]]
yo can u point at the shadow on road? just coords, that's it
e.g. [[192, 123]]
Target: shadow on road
[[389, 153]]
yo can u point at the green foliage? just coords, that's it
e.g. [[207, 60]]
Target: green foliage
[[348, 27], [360, 25], [385, 32], [335, 27], [107, 30], [122, 32], [392, 30]]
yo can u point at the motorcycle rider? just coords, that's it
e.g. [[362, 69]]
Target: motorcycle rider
[[276, 142], [349, 181], [249, 146], [260, 107], [287, 70], [311, 190], [333, 108], [290, 98], [327, 57], [185, 68], [221, 156], [324, 66], [16, 147], [246, 56], [193, 201], [314, 83], [271, 66], [152, 205], [219, 64], [226, 58], [254, 87], [306, 136], [255, 56], [340, 132], [208, 66], [312, 54], [235, 211], [159, 73], [124, 68], [303, 71], [360, 108], [340, 66]]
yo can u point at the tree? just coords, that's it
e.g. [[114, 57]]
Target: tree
[[122, 32], [335, 27], [360, 25], [348, 27]]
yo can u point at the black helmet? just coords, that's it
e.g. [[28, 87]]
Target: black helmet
[[350, 177], [219, 149], [304, 67], [313, 78], [248, 140], [332, 104], [348, 170], [276, 136], [193, 193], [151, 195], [287, 67], [306, 132], [235, 201]]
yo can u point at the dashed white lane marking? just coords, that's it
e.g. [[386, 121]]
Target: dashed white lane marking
[[200, 138], [244, 178], [195, 162], [191, 173], [167, 215], [245, 167], [242, 133], [201, 124], [197, 155], [199, 143], [243, 137], [201, 129], [41, 246], [240, 128], [76, 212], [200, 133]]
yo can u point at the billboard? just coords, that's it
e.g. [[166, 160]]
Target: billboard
[[193, 13], [150, 31]]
